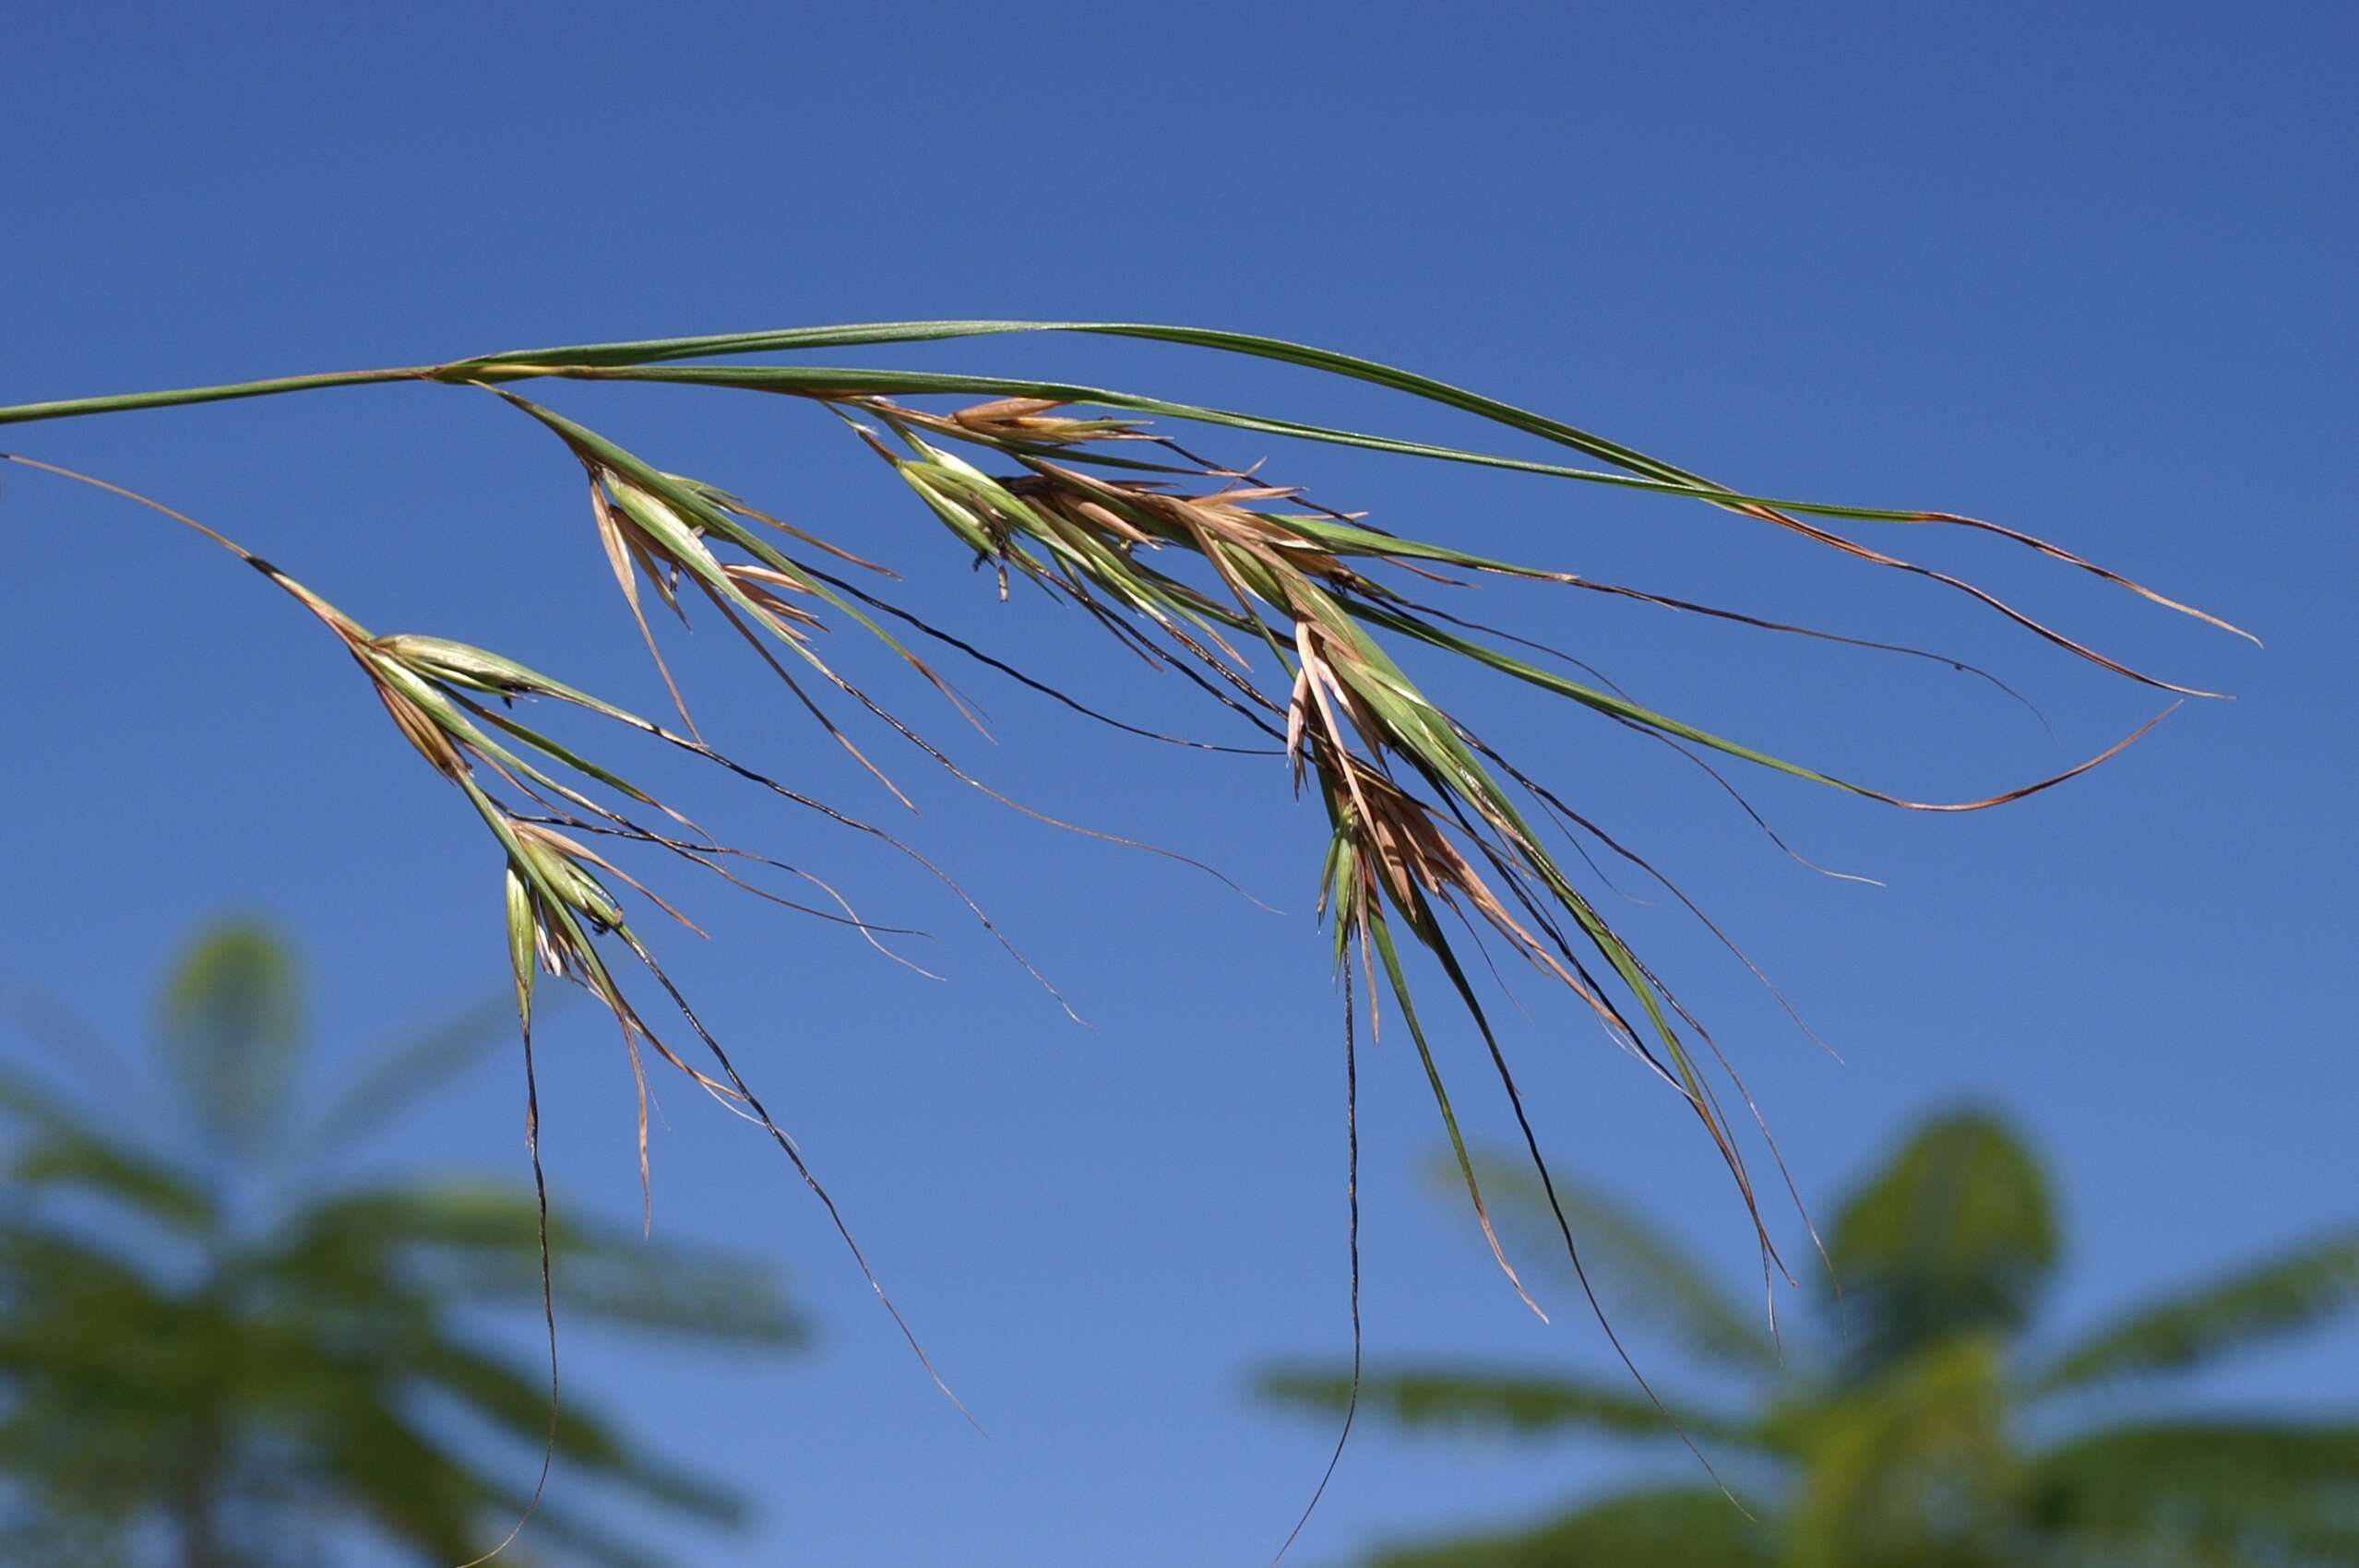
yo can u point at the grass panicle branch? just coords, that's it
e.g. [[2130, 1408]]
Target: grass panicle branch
[[1287, 614]]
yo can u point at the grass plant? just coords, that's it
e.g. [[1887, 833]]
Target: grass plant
[[1287, 615]]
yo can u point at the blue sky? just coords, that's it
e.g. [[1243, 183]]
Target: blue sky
[[2085, 271]]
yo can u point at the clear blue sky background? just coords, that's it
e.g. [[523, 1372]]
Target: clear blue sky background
[[2085, 271]]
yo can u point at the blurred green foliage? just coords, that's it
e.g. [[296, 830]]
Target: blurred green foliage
[[1919, 1428], [214, 1352]]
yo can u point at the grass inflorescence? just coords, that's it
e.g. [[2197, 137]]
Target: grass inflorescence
[[1286, 614]]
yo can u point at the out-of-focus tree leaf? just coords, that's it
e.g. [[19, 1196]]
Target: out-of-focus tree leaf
[[1908, 1440], [2247, 1493], [401, 1074], [475, 1243], [1642, 1280], [518, 1405], [1916, 1471], [260, 1382], [2281, 1295], [231, 1024], [65, 1148], [1474, 1400], [148, 1186], [1954, 1237], [1663, 1527]]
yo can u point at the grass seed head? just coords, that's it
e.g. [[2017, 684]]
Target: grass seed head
[[766, 589], [458, 664], [524, 944], [564, 867], [1029, 421]]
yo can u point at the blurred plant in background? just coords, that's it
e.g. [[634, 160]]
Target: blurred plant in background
[[1919, 1430], [211, 1352]]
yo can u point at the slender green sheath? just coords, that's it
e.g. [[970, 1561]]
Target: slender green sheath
[[124, 402]]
